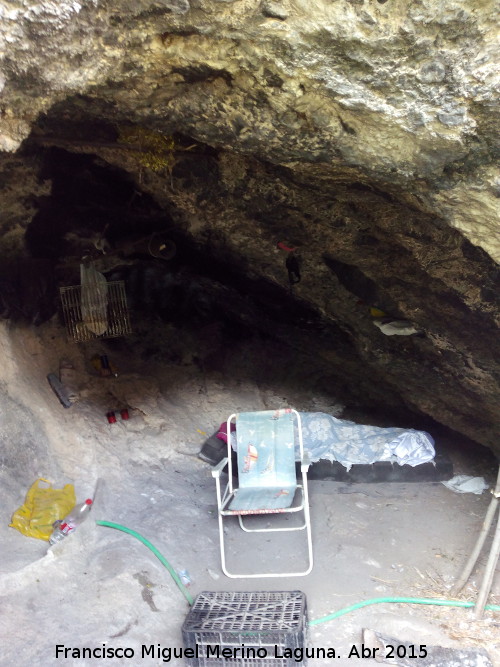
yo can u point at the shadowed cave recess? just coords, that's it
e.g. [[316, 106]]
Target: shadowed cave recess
[[322, 179], [228, 289]]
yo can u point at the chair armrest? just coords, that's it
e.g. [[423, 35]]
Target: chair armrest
[[217, 470], [305, 463]]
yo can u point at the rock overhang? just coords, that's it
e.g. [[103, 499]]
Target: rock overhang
[[361, 135]]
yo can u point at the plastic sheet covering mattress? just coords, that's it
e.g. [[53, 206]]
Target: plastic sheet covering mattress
[[326, 437]]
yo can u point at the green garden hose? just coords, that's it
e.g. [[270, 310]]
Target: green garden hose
[[435, 601], [324, 619], [161, 558]]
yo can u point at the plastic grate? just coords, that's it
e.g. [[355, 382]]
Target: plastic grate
[[263, 620]]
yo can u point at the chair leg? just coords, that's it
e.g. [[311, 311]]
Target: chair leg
[[268, 574], [306, 525], [272, 530], [307, 519], [268, 530], [222, 548]]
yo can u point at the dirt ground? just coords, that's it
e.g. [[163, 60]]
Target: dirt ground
[[103, 587]]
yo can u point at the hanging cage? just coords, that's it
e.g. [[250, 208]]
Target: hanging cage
[[95, 310]]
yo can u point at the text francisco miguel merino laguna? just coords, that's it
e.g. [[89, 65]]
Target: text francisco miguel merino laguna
[[168, 653]]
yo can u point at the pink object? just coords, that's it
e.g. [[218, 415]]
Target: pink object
[[111, 417], [281, 245], [222, 432], [124, 413]]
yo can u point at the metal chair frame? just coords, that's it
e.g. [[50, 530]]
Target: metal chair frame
[[301, 504]]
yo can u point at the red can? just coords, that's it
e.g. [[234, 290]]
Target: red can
[[124, 413], [111, 417]]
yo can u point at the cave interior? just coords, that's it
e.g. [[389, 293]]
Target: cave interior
[[225, 312], [299, 264]]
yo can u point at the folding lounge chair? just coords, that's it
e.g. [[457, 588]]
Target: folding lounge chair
[[267, 481]]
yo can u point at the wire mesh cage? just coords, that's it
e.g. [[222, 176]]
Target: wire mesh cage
[[95, 312], [230, 629]]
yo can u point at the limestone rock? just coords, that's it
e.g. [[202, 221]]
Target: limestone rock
[[365, 134]]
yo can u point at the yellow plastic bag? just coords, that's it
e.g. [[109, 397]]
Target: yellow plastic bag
[[43, 506]]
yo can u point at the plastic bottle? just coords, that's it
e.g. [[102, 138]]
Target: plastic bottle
[[185, 577], [71, 522]]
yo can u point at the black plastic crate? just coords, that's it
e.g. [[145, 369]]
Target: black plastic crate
[[229, 629]]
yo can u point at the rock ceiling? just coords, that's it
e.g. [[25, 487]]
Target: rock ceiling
[[362, 134]]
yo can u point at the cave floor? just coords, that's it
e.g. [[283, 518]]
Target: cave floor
[[102, 586]]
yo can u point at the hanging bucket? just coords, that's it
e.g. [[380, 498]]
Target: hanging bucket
[[161, 247]]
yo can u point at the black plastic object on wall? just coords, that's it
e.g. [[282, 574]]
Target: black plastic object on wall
[[292, 264]]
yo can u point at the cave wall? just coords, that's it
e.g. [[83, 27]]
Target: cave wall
[[361, 134]]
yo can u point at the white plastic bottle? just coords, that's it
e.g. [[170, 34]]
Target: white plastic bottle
[[71, 522]]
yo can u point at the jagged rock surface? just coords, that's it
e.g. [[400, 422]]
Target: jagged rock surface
[[362, 133]]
